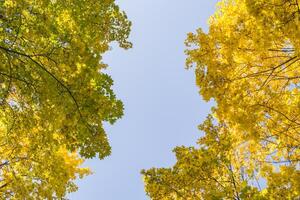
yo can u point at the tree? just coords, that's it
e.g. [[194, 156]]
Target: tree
[[54, 96], [211, 171], [248, 63]]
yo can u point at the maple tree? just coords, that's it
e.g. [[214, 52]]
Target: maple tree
[[54, 96], [248, 63]]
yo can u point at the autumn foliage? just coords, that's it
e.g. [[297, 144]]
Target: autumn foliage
[[249, 64], [54, 96]]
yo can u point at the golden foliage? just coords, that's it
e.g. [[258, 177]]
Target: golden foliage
[[54, 96], [249, 64]]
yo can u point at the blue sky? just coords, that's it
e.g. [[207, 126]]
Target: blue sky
[[162, 104]]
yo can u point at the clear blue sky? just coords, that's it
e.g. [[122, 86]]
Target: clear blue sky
[[162, 105]]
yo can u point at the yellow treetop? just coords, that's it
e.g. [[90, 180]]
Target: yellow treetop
[[249, 64], [54, 96]]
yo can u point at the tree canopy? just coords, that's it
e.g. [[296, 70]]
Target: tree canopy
[[248, 63], [54, 96]]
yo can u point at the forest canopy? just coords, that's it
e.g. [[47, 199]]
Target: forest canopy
[[248, 64], [54, 96], [55, 99]]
